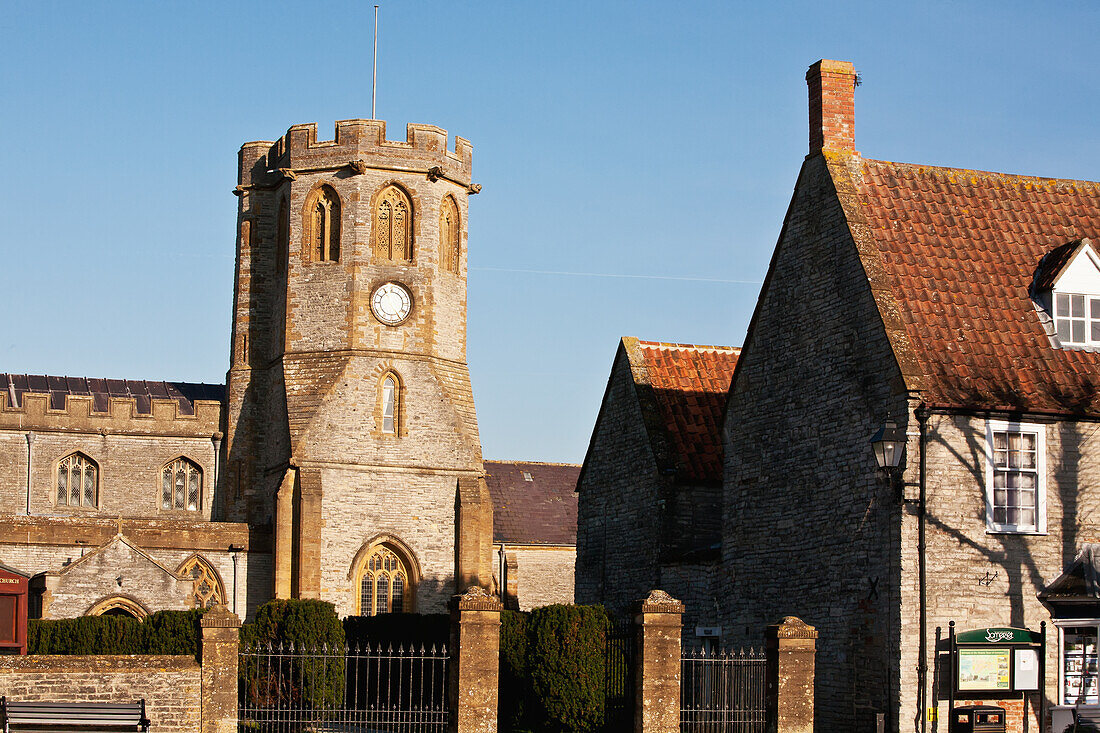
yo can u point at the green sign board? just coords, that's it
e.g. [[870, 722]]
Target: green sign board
[[998, 635]]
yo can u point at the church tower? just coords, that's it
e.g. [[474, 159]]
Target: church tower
[[351, 433]]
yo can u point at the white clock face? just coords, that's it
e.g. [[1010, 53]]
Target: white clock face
[[391, 303]]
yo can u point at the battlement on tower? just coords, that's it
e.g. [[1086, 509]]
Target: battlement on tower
[[359, 143]]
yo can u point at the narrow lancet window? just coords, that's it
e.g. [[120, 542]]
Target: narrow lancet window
[[389, 405]]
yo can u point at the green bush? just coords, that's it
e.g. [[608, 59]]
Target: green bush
[[164, 632], [513, 706], [300, 628], [397, 628], [566, 667]]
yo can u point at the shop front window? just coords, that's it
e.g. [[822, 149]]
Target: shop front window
[[1078, 665]]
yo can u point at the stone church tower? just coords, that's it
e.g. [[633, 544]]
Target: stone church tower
[[351, 429]]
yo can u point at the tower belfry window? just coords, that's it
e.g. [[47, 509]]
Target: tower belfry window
[[323, 230], [449, 235], [392, 225]]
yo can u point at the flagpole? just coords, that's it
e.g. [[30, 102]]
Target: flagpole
[[374, 81]]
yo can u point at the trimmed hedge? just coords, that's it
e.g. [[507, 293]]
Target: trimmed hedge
[[398, 628], [552, 666], [163, 632]]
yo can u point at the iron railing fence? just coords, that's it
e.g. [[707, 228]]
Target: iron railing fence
[[619, 676], [369, 689], [722, 691]]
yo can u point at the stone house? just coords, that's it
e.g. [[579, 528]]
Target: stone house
[[649, 491], [340, 461], [964, 306], [534, 531]]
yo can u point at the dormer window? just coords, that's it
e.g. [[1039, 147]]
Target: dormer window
[[1067, 287], [1077, 318]]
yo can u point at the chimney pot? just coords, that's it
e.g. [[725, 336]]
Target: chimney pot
[[832, 106]]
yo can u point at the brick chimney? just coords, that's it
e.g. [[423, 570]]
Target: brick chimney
[[832, 106]]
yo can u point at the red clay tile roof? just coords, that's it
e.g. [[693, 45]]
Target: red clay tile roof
[[542, 511], [100, 390], [690, 384], [959, 250]]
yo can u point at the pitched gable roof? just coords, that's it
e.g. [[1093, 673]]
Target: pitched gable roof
[[952, 255], [688, 385], [539, 511]]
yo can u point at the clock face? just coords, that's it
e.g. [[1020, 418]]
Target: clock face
[[391, 303]]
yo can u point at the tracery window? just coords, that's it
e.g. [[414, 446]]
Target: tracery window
[[323, 230], [207, 590], [181, 486], [449, 235], [392, 225], [384, 584], [77, 481]]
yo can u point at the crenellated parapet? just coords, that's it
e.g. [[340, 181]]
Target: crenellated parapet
[[122, 416], [358, 145]]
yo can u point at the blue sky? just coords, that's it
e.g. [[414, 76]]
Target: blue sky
[[659, 140]]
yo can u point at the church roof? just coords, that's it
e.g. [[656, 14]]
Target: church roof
[[952, 256], [533, 503], [689, 384], [101, 390]]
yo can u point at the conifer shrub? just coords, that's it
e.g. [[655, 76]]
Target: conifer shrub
[[299, 631], [513, 703], [566, 667], [163, 632]]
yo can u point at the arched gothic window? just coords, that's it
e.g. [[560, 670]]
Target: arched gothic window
[[450, 234], [118, 606], [392, 225], [384, 583], [207, 590], [77, 481], [323, 225], [181, 486]]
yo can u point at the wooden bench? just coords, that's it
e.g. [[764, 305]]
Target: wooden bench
[[87, 717]]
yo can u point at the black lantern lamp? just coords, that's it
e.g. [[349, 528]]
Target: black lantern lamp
[[889, 446]]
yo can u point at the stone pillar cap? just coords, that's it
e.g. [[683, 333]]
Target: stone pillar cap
[[660, 602], [476, 598], [220, 617], [792, 627]]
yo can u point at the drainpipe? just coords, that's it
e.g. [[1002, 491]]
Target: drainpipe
[[922, 667], [234, 551], [216, 439], [30, 442]]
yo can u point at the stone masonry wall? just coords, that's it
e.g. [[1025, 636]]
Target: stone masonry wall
[[129, 472], [618, 525], [1013, 567], [171, 686], [545, 574], [810, 528]]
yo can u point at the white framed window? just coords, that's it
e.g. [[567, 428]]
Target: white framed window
[[1077, 318], [1015, 477]]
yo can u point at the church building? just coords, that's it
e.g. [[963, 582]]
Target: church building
[[341, 460]]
